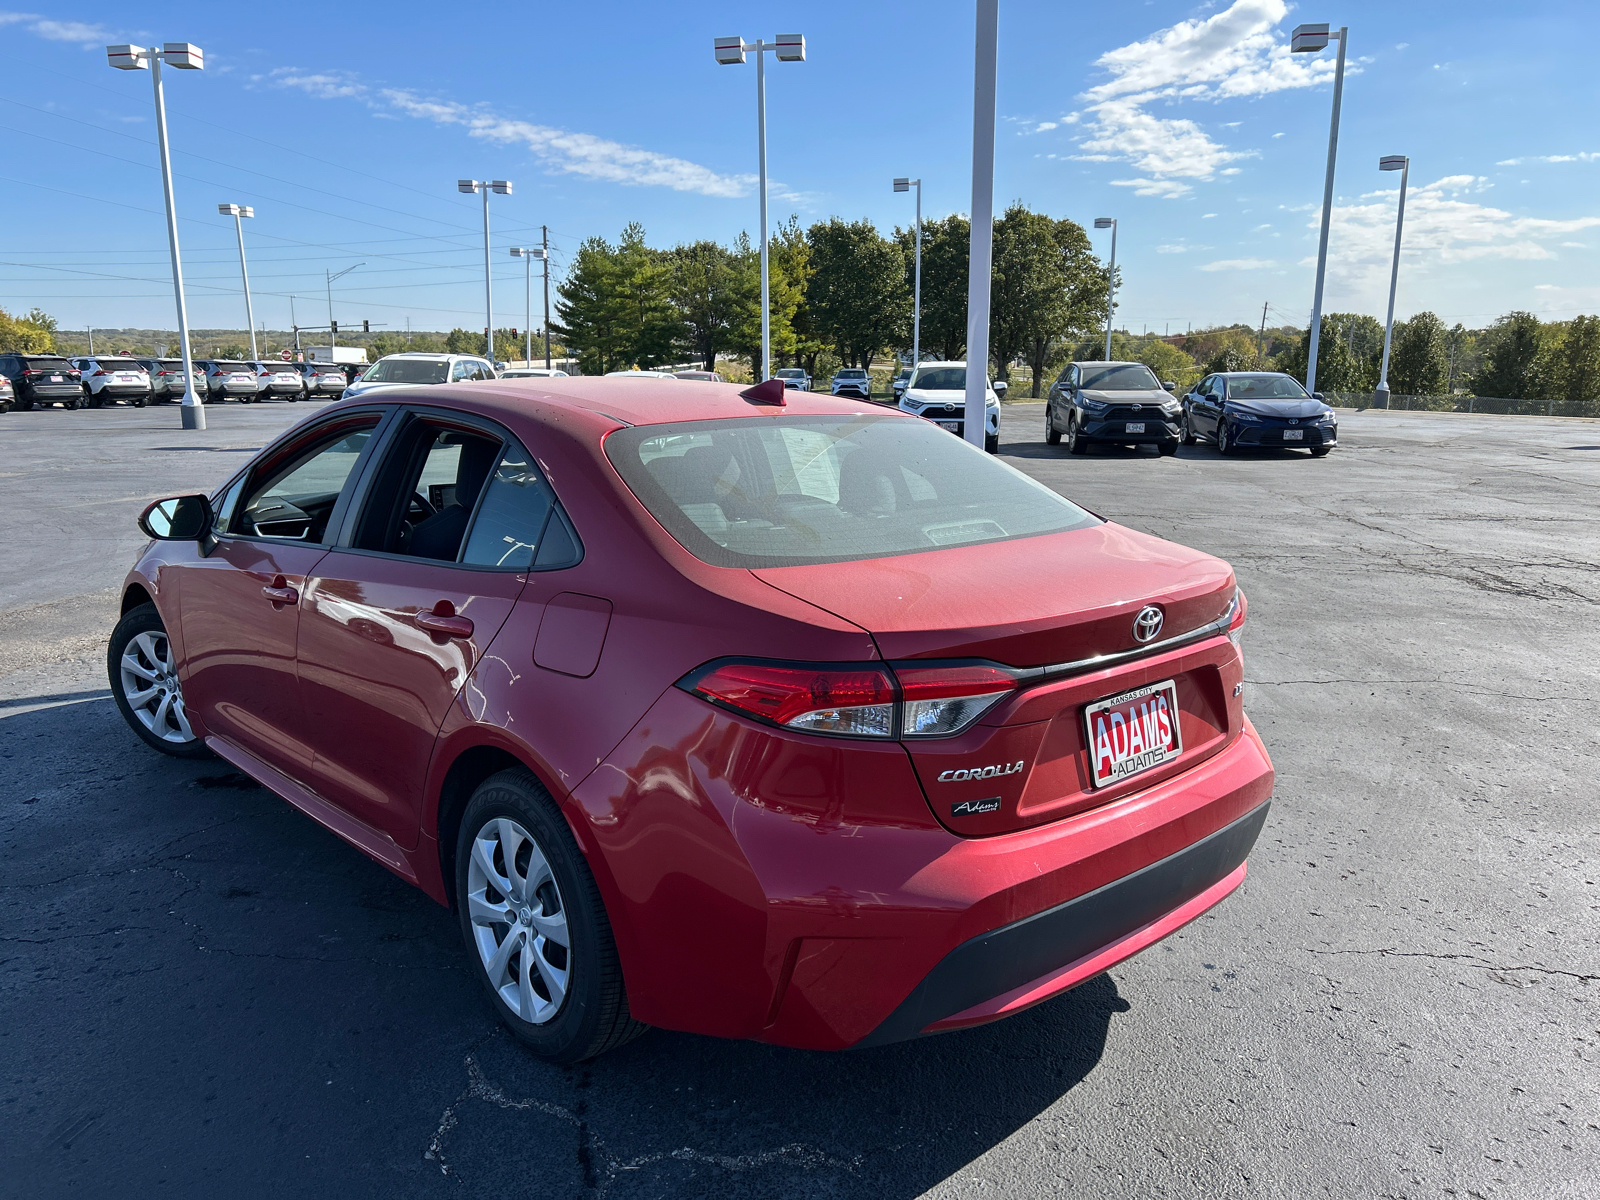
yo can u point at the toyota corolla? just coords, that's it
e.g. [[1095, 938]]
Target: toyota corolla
[[759, 714]]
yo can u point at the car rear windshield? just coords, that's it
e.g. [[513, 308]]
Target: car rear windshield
[[119, 364], [51, 365], [407, 370], [791, 491], [1124, 377], [1264, 387]]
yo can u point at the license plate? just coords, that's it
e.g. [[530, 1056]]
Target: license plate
[[1133, 427], [56, 379], [1294, 435], [952, 426], [1132, 732]]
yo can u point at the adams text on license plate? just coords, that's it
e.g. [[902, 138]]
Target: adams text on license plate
[[1132, 732]]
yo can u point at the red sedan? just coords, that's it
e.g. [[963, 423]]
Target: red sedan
[[747, 713]]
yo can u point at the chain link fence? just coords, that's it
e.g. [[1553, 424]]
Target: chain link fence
[[1466, 404]]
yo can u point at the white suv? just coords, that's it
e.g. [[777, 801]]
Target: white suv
[[854, 380], [419, 367], [794, 377], [107, 380], [937, 391]]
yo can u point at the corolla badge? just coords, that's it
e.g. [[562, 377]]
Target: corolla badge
[[979, 772], [1148, 623]]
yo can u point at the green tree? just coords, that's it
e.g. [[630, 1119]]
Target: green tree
[[32, 334], [1510, 359], [1347, 353], [705, 289], [1048, 287], [643, 280], [1419, 357], [946, 245], [1570, 371], [590, 316], [858, 290]]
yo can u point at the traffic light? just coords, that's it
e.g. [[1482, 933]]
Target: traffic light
[[366, 327], [513, 331], [333, 327]]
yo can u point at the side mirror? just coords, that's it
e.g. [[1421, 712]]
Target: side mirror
[[178, 519], [1169, 384], [1001, 387], [1317, 396]]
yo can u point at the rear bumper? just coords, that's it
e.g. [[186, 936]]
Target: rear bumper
[[1006, 970]]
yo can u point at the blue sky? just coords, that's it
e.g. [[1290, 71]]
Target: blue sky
[[346, 126]]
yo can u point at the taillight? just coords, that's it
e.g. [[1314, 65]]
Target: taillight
[[941, 700], [911, 700], [1236, 626], [97, 374], [856, 701]]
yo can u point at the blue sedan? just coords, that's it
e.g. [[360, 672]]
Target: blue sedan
[[1243, 410]]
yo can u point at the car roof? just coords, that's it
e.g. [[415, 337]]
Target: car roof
[[1231, 374], [605, 403], [1101, 362]]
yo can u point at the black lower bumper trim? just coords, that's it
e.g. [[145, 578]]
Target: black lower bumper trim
[[994, 963]]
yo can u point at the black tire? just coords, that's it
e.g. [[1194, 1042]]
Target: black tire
[[1227, 443], [145, 620], [991, 443], [74, 404], [1320, 451], [1185, 434], [593, 1015], [1052, 435], [1168, 449], [1077, 443], [140, 401], [5, 406]]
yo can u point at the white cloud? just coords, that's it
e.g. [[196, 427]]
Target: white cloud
[[1581, 156], [560, 150], [1172, 249], [1442, 228], [1277, 135], [1233, 54], [1238, 264], [90, 37], [1576, 245], [1207, 216], [1167, 189], [1402, 45]]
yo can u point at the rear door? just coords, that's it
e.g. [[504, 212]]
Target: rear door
[[397, 617], [240, 604]]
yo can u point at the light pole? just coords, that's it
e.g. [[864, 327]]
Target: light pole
[[1392, 162], [236, 211], [789, 47], [333, 329], [528, 254], [185, 57], [980, 255], [905, 185], [1308, 39], [486, 186], [1111, 276]]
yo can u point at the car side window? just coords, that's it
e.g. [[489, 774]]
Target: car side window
[[462, 370], [292, 497], [510, 523]]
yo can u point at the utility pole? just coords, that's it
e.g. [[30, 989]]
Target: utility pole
[[545, 230], [294, 325], [91, 343], [1262, 336]]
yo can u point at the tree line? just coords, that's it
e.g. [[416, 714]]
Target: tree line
[[840, 295]]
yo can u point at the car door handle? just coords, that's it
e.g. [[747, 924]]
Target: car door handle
[[455, 627], [280, 593]]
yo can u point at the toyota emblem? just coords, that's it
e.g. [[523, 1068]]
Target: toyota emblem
[[1148, 623]]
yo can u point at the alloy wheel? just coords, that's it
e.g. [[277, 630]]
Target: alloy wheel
[[150, 686], [519, 923]]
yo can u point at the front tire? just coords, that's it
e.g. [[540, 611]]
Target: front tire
[[145, 685], [1052, 435], [1077, 443], [1185, 433], [1168, 449], [1227, 439], [1320, 451], [991, 443], [535, 926]]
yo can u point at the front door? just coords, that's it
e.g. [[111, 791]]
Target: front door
[[240, 604], [392, 625]]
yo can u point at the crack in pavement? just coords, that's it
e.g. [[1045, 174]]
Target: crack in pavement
[[1465, 689], [478, 1087], [1476, 960]]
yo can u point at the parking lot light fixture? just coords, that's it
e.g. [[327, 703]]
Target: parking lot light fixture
[[1308, 39], [1392, 162], [184, 57], [905, 185], [788, 47], [528, 254], [236, 211], [500, 187], [1111, 276]]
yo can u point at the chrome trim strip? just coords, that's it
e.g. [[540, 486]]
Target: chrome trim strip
[[1100, 661]]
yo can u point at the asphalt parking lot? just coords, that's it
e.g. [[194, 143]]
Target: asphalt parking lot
[[202, 991]]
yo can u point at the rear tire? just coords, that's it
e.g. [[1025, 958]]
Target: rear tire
[[145, 684], [72, 405], [564, 1001], [1052, 435]]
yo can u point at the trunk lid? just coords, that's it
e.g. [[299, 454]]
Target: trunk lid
[[1041, 602]]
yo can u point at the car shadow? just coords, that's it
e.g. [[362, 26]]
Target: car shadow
[[214, 986]]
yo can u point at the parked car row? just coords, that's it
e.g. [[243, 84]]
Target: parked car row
[[1121, 403], [94, 381]]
